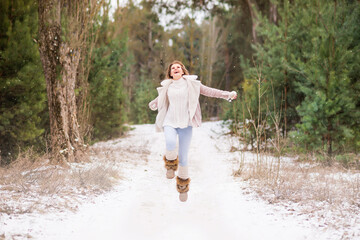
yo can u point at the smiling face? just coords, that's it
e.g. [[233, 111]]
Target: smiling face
[[176, 71]]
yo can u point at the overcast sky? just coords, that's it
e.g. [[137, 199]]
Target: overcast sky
[[164, 19]]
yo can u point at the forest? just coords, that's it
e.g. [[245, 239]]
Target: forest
[[73, 73]]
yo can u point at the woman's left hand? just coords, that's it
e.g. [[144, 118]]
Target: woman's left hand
[[232, 95]]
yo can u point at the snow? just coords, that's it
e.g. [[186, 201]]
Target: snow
[[145, 205]]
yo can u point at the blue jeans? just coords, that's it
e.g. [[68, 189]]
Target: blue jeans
[[185, 135]]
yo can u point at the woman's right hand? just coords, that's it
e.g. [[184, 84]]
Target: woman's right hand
[[153, 105]]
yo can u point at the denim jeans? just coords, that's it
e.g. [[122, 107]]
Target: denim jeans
[[185, 135]]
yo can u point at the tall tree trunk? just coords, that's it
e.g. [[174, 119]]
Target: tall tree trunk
[[69, 59], [329, 141], [227, 69], [191, 42], [253, 8], [211, 51], [331, 60], [202, 58], [150, 59], [82, 103], [49, 44], [82, 42], [273, 12], [60, 77], [285, 71], [213, 46]]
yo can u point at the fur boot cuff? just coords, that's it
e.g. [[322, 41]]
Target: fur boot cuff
[[171, 164], [182, 185]]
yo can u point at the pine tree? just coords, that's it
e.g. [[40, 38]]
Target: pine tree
[[22, 86], [270, 66], [110, 65], [309, 70], [145, 91], [329, 105]]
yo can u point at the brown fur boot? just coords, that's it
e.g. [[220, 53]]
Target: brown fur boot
[[171, 166], [182, 186]]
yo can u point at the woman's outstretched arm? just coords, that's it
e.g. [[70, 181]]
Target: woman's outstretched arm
[[216, 93]]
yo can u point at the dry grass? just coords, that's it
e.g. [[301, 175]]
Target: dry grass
[[32, 184], [300, 183], [330, 194]]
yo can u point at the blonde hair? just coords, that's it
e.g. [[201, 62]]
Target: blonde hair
[[168, 71]]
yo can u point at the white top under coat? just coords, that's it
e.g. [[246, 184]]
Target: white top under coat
[[177, 115]]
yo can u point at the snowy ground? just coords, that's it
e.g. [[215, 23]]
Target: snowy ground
[[145, 205]]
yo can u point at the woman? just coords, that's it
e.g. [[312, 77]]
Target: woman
[[178, 112]]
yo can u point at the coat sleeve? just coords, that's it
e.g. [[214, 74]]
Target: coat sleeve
[[213, 92], [153, 105]]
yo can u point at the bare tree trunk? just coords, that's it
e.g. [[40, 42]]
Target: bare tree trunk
[[151, 47], [82, 84], [286, 6], [211, 50], [49, 47], [227, 70], [331, 59], [253, 8], [60, 63], [273, 12], [202, 58], [214, 43], [329, 141], [70, 61], [191, 42], [83, 40]]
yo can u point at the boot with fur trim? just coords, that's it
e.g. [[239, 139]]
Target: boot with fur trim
[[171, 166], [182, 186]]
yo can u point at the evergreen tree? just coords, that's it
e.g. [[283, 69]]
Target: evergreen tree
[[328, 110], [307, 70], [107, 96], [269, 73], [22, 85], [145, 91], [350, 35]]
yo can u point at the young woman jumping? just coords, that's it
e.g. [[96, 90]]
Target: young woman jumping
[[178, 112]]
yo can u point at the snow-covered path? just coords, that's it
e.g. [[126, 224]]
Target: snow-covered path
[[145, 205]]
